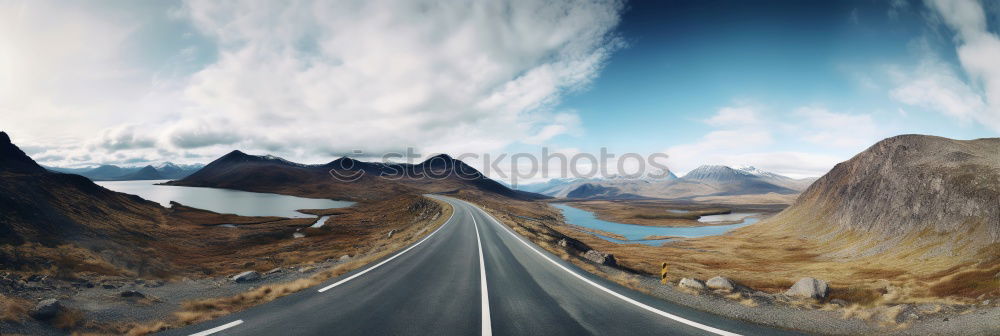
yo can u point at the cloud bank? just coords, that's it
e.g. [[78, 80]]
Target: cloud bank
[[309, 79]]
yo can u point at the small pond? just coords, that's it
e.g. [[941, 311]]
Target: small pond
[[638, 233]]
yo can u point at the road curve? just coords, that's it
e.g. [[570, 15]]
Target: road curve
[[471, 276]]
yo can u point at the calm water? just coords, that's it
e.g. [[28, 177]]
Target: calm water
[[636, 233], [242, 203]]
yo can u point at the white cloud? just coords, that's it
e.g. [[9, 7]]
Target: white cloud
[[738, 133], [934, 85], [378, 75], [937, 86], [744, 136], [304, 79], [839, 130], [734, 116]]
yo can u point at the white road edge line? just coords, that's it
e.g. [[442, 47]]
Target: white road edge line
[[338, 283], [623, 297], [219, 328], [487, 325]]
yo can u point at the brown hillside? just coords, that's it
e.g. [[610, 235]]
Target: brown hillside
[[940, 193]]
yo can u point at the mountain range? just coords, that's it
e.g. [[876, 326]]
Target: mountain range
[[163, 171], [358, 180], [703, 181]]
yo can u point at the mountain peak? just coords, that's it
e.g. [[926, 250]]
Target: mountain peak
[[440, 157], [12, 159], [756, 171]]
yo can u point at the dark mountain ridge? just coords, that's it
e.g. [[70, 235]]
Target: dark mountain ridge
[[345, 178]]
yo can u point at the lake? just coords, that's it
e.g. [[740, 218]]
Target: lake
[[242, 203], [637, 233]]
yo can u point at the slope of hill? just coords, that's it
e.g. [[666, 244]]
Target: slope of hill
[[357, 180], [53, 209], [907, 190]]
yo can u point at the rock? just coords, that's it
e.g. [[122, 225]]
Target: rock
[[153, 284], [913, 316], [109, 286], [691, 283], [306, 269], [247, 276], [345, 257], [274, 270], [36, 278], [46, 309], [839, 302], [563, 242], [720, 283], [809, 288], [986, 302], [602, 258], [390, 233], [132, 294]]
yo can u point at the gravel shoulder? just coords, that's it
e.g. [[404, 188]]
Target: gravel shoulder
[[780, 311]]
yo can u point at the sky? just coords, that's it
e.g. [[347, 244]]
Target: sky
[[793, 87]]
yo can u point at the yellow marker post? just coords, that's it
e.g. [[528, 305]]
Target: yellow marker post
[[663, 273]]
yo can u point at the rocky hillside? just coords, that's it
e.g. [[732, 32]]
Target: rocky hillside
[[40, 210], [909, 190]]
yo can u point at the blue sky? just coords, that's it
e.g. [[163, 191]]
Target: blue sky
[[788, 86], [687, 60]]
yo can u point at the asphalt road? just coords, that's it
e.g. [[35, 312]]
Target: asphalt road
[[471, 276]]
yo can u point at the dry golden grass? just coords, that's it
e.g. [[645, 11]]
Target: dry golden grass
[[68, 319], [764, 258], [13, 309]]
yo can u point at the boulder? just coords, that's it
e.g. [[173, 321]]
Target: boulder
[[691, 283], [563, 243], [345, 257], [247, 276], [602, 258], [720, 283], [46, 309], [132, 294], [390, 233], [274, 270], [809, 288]]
